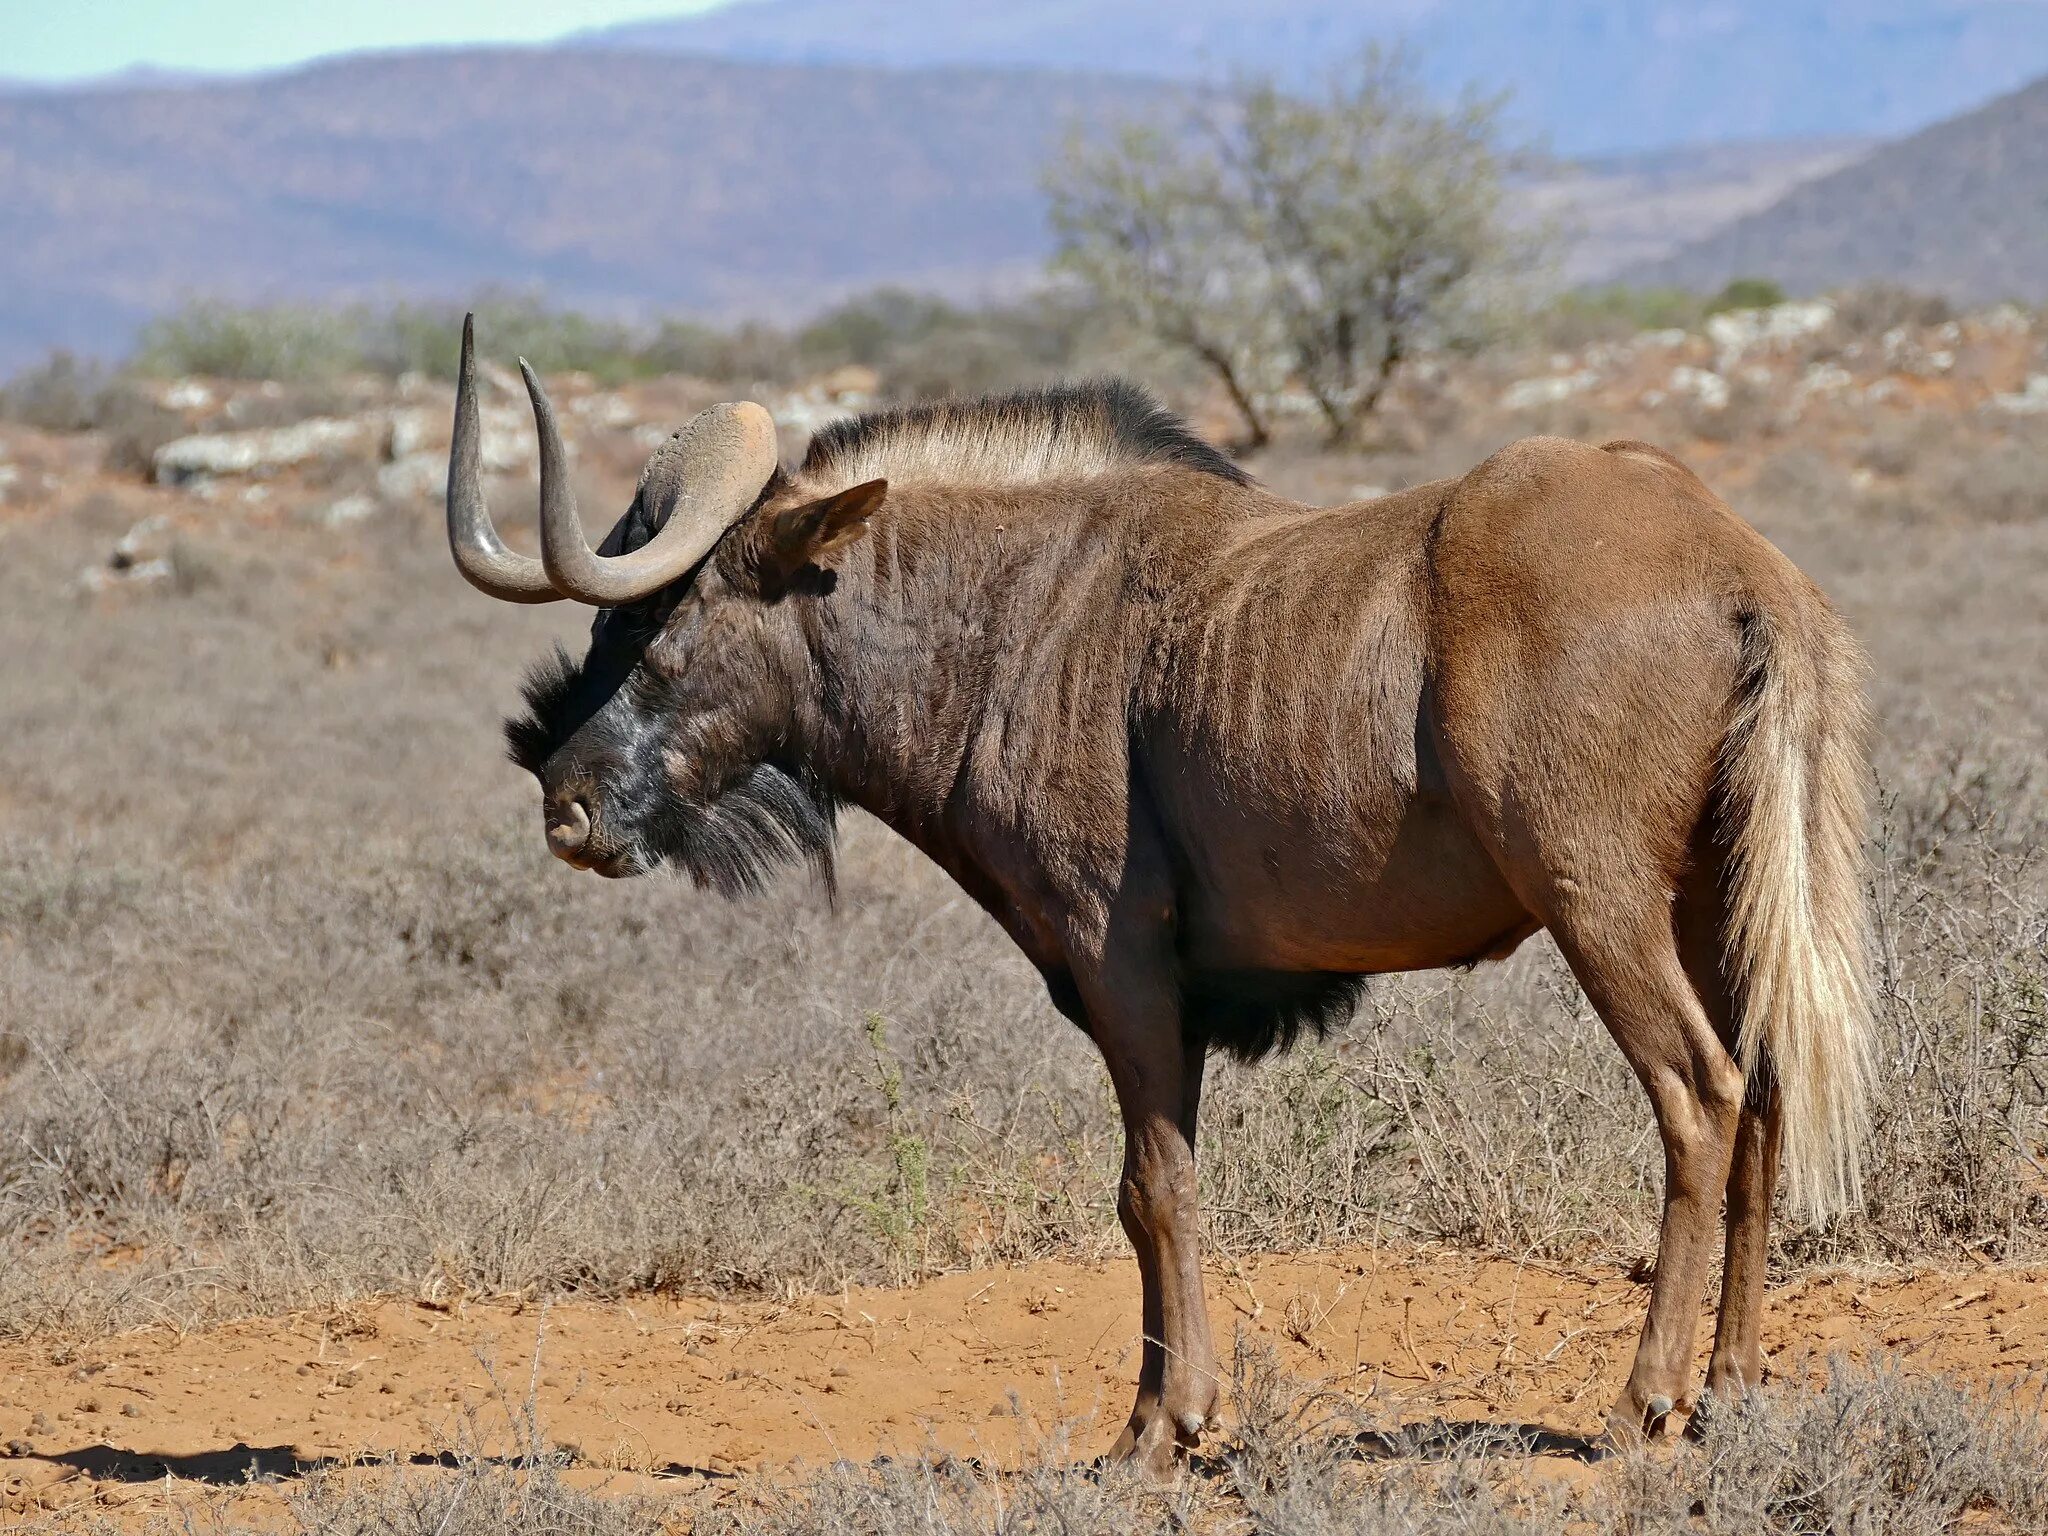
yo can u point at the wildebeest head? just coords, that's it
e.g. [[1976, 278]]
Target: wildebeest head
[[669, 741]]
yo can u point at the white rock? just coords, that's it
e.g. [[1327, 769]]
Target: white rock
[[2006, 320], [99, 578], [1736, 332], [185, 395], [2030, 401], [412, 429], [507, 441], [1821, 379], [350, 509], [416, 477], [260, 452], [609, 410], [135, 545], [1703, 385], [1526, 394]]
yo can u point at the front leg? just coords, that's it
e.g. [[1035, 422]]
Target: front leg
[[1133, 1013]]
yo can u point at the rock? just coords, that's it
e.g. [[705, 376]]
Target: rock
[[1526, 394], [1703, 385], [852, 384], [2030, 401], [2005, 320], [507, 442], [609, 410], [1738, 331], [142, 554], [350, 509], [262, 451], [186, 395], [416, 477], [146, 540], [829, 398], [412, 430], [1821, 379]]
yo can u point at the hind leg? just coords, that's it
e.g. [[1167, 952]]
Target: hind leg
[[1625, 955], [1737, 1362]]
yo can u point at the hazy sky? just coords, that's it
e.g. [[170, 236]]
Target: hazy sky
[[71, 39]]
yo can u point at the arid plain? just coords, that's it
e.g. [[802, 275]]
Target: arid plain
[[362, 1168]]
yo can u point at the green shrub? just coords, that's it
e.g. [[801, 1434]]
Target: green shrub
[[1746, 293], [287, 342], [1615, 311]]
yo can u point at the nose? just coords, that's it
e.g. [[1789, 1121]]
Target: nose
[[568, 826]]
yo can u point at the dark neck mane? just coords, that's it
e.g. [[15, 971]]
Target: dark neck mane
[[1062, 432]]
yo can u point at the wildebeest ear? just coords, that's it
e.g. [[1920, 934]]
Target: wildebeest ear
[[814, 532]]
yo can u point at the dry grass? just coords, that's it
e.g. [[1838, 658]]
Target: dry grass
[[1877, 1450], [295, 1007]]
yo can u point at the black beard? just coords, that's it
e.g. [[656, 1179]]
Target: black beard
[[770, 818]]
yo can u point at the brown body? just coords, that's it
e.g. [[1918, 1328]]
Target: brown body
[[1208, 755]]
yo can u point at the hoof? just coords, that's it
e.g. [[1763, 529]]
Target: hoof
[[1629, 1427], [1655, 1414], [1157, 1449]]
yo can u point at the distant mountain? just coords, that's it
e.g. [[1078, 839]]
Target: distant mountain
[[1596, 76], [621, 182], [625, 183], [1960, 208]]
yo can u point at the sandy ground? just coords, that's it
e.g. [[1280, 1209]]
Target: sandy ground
[[683, 1394]]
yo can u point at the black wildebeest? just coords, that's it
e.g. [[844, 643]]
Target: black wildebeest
[[1210, 757]]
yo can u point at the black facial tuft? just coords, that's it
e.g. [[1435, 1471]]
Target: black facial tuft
[[550, 694], [562, 693]]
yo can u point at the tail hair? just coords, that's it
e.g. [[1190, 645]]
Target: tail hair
[[1793, 780]]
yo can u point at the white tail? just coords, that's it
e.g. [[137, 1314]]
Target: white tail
[[1793, 773]]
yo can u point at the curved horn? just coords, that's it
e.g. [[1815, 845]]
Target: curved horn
[[713, 470], [479, 553]]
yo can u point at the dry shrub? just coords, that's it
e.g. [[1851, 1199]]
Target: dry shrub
[[294, 1006], [1877, 1450], [1975, 480], [1753, 412], [1870, 310], [135, 426], [59, 394]]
